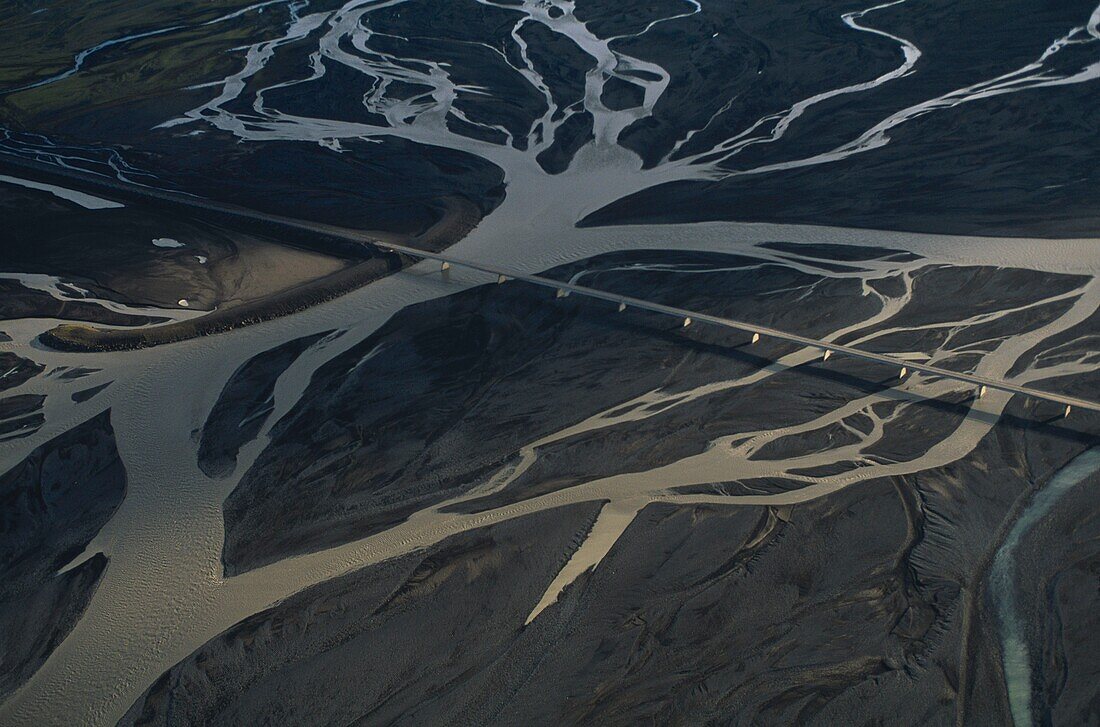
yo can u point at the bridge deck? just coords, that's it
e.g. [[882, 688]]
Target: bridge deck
[[750, 328], [198, 203]]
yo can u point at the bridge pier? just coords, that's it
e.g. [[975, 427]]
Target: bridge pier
[[687, 317]]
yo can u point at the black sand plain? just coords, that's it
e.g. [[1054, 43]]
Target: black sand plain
[[873, 604]]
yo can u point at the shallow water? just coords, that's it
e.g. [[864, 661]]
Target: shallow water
[[83, 199], [164, 595]]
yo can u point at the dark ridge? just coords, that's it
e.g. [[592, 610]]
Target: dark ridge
[[244, 405], [77, 338], [55, 502]]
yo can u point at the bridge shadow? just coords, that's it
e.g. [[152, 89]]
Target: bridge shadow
[[860, 375]]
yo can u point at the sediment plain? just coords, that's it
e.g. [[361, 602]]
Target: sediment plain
[[427, 497]]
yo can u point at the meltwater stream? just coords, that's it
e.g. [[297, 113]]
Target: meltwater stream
[[1016, 657], [164, 593]]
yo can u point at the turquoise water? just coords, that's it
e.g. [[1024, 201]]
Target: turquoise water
[[1016, 658]]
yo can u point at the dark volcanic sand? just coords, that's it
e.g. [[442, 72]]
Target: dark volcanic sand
[[864, 607], [373, 440], [20, 415], [244, 405], [489, 370], [240, 277], [54, 503], [111, 254], [1013, 165], [16, 370], [390, 631], [873, 604]]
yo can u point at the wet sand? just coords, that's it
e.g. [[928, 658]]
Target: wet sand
[[851, 594], [257, 281], [228, 600]]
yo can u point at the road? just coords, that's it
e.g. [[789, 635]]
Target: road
[[193, 204]]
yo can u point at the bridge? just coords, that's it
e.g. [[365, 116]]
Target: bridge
[[980, 384], [688, 317]]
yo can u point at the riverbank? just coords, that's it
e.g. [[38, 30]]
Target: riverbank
[[81, 338], [240, 295]]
